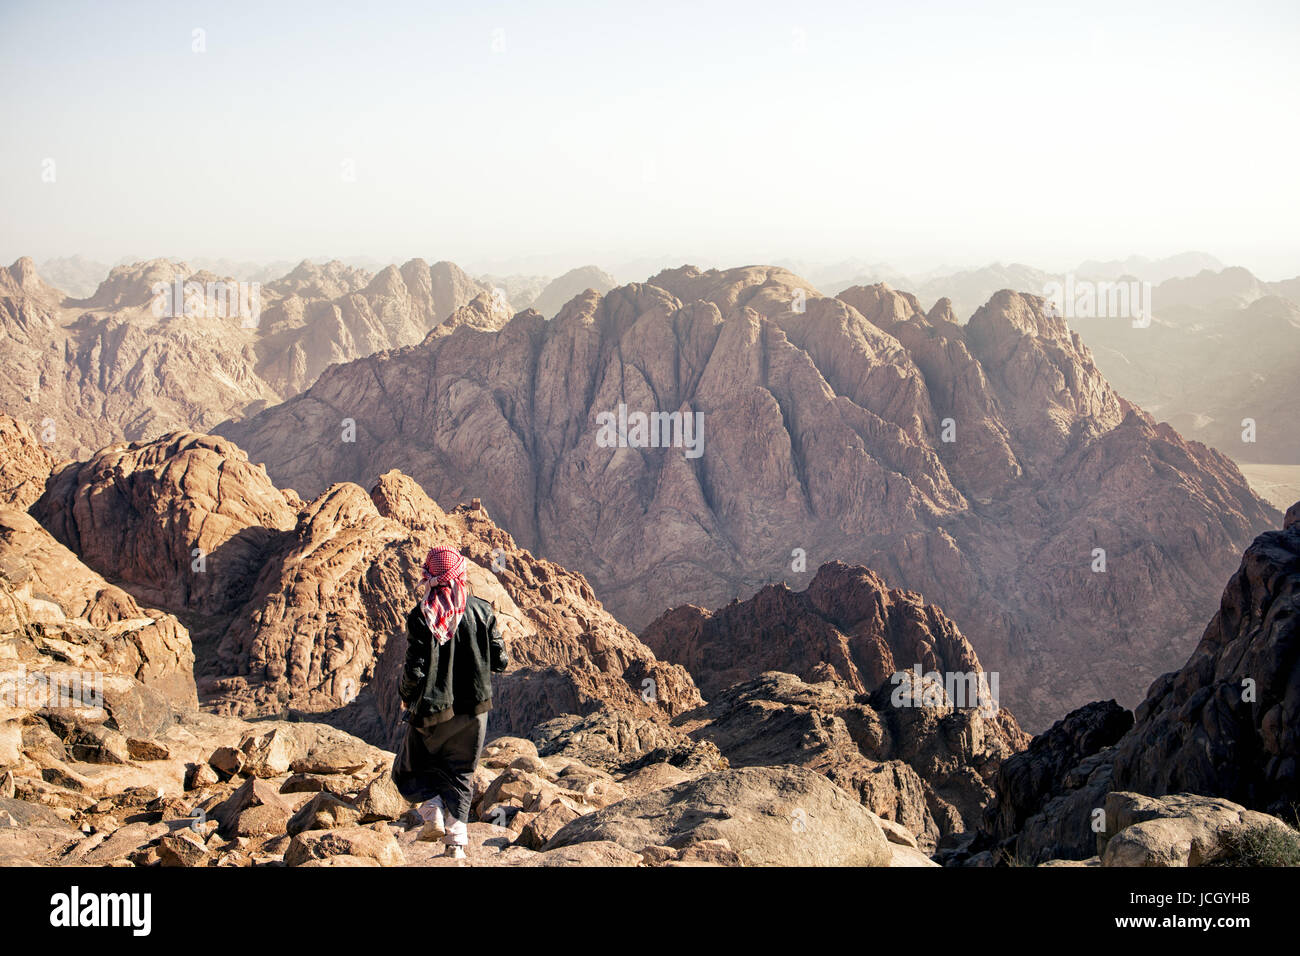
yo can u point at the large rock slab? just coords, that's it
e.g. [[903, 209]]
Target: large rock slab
[[771, 816]]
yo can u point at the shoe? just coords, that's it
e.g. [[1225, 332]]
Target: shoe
[[431, 833], [434, 828], [454, 852]]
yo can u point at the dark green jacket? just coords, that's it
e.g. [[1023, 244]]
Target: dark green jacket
[[441, 680]]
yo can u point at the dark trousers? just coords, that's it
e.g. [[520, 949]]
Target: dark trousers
[[438, 760]]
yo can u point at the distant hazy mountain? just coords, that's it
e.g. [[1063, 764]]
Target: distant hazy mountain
[[968, 289], [521, 291], [1150, 270], [75, 275], [246, 270], [1220, 362], [133, 360], [574, 282]]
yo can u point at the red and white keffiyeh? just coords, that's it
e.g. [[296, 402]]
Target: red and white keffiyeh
[[443, 582]]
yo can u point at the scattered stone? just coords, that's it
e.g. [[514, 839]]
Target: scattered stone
[[539, 830], [381, 800], [255, 809], [324, 811], [182, 848]]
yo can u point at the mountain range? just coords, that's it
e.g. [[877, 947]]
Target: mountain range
[[988, 464]]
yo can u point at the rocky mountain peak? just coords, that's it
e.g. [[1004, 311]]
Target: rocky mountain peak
[[21, 278], [848, 625], [131, 286]]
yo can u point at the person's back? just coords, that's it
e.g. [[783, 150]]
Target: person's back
[[453, 647], [442, 680]]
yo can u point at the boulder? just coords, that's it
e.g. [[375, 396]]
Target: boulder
[[324, 811], [538, 831], [354, 841], [255, 809], [182, 848], [381, 800], [1175, 830]]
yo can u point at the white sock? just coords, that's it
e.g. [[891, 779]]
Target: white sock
[[431, 811], [457, 834]]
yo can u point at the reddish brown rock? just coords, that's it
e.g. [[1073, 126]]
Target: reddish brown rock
[[306, 602], [847, 625], [255, 809]]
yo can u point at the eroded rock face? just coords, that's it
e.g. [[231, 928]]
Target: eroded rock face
[[305, 602], [25, 465], [618, 742], [1222, 727], [186, 521], [980, 464], [55, 610], [929, 767], [1227, 724]]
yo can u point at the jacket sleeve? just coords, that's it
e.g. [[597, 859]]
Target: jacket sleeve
[[416, 670], [497, 644]]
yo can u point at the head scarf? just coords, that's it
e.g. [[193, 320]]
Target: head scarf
[[443, 582]]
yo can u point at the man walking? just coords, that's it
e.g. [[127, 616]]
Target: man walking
[[453, 647]]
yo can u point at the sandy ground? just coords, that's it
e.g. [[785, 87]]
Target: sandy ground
[[1277, 484]]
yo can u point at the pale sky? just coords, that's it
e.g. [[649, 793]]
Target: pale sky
[[915, 133]]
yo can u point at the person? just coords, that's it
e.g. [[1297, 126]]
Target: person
[[453, 647]]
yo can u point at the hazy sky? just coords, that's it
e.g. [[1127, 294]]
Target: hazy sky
[[510, 134]]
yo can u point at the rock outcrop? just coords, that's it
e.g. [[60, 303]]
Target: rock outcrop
[[1227, 723], [25, 465], [847, 624], [984, 464], [55, 609], [920, 754], [930, 769], [1048, 795], [1223, 727], [1183, 830]]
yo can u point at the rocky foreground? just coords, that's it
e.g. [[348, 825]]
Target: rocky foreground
[[238, 711]]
